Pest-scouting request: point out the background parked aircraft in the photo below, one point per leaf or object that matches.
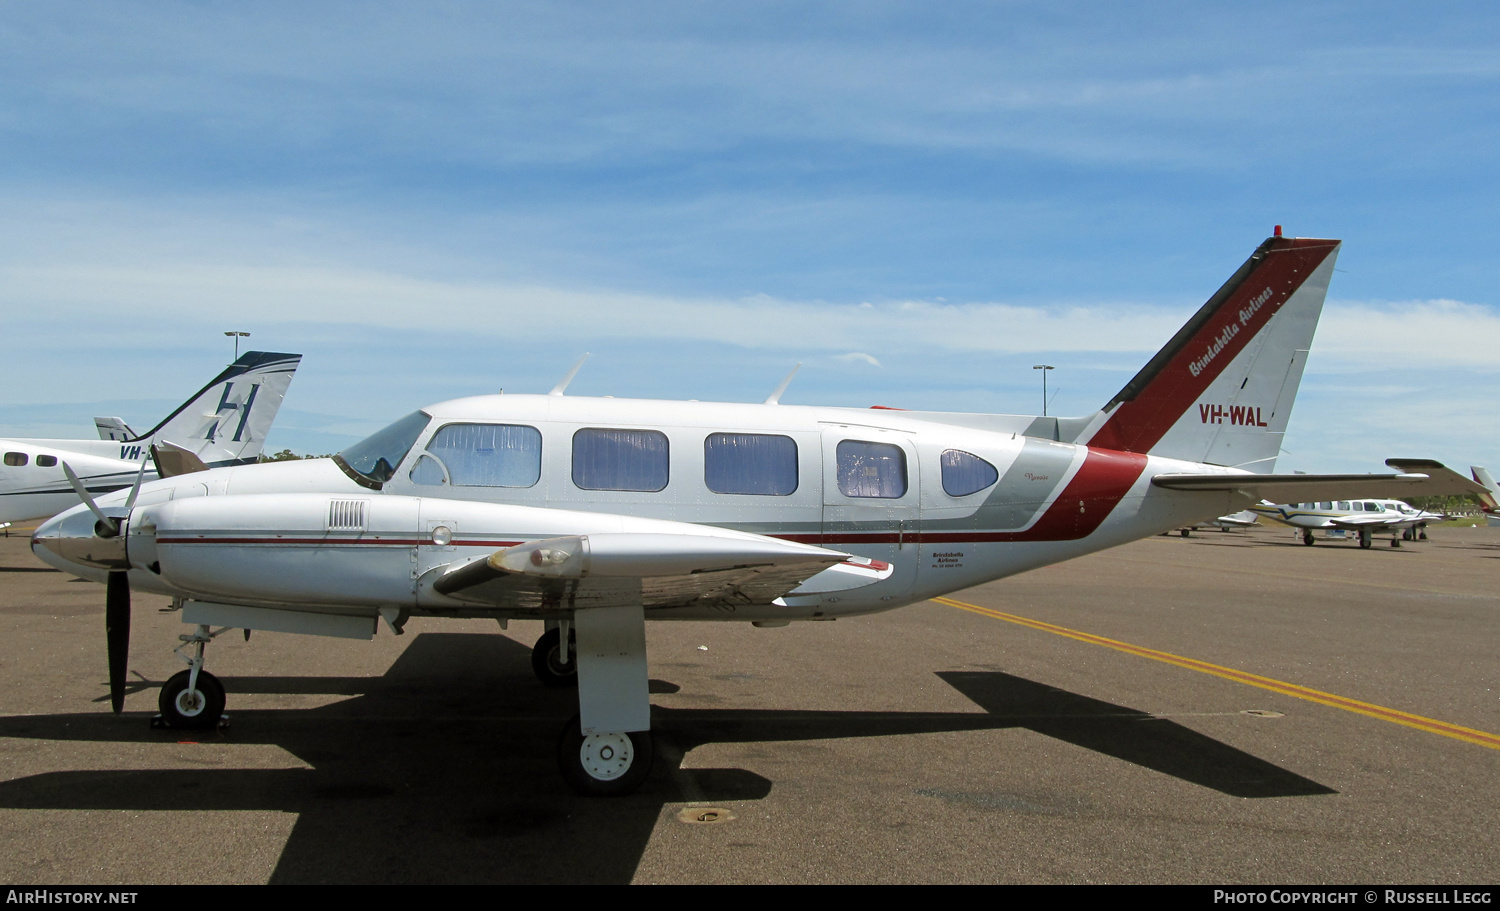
(224, 423)
(1364, 517)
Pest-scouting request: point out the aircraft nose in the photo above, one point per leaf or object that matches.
(76, 538)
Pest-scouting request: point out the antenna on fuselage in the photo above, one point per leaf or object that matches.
(775, 397)
(562, 386)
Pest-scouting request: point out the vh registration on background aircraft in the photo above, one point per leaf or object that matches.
(595, 515)
(224, 423)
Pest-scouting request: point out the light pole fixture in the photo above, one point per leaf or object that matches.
(237, 337)
(1044, 368)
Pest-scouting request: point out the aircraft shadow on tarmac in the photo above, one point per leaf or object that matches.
(443, 770)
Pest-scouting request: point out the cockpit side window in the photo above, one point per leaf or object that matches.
(965, 473)
(481, 455)
(372, 461)
(868, 469)
(15, 459)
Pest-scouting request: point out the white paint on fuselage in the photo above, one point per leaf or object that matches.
(922, 570)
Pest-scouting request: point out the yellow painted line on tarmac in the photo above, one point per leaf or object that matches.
(1429, 725)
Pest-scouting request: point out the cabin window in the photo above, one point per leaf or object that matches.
(481, 455)
(758, 464)
(1343, 505)
(46, 461)
(373, 460)
(1328, 505)
(619, 459)
(15, 459)
(871, 470)
(965, 473)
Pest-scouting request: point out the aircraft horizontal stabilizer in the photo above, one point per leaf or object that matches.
(1418, 478)
(658, 570)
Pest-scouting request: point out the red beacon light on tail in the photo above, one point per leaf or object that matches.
(1277, 231)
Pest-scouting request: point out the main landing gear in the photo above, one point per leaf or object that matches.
(192, 699)
(1307, 537)
(1364, 537)
(606, 749)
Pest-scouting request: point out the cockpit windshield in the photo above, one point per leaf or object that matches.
(373, 460)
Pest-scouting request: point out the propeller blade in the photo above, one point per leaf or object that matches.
(83, 494)
(117, 635)
(139, 477)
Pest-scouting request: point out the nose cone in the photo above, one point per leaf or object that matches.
(76, 539)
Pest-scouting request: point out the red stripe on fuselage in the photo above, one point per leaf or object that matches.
(1140, 423)
(1098, 487)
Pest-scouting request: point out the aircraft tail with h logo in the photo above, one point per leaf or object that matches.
(225, 422)
(1222, 389)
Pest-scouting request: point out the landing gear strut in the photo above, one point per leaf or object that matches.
(606, 749)
(1364, 537)
(549, 663)
(193, 699)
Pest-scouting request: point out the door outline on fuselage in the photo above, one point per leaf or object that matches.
(886, 529)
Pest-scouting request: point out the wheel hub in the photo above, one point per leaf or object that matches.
(190, 702)
(606, 756)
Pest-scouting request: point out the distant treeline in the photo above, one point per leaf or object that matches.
(287, 455)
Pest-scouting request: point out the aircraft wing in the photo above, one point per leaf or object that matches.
(1355, 523)
(1418, 477)
(657, 570)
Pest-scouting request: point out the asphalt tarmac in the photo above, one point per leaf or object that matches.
(1231, 708)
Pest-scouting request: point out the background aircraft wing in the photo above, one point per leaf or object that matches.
(1418, 477)
(657, 570)
(1354, 523)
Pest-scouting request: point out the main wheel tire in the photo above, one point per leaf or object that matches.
(1186, 532)
(1307, 538)
(546, 660)
(1364, 538)
(604, 765)
(192, 709)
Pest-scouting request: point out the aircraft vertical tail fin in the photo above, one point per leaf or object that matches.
(226, 422)
(1221, 391)
(1487, 501)
(114, 429)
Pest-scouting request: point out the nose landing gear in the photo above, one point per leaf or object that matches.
(192, 699)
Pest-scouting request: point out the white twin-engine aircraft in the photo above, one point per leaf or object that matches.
(1364, 517)
(597, 514)
(224, 423)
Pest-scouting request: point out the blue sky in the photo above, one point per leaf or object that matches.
(916, 201)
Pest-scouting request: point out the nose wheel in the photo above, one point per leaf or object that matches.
(192, 699)
(192, 707)
(549, 663)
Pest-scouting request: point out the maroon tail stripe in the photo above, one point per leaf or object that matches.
(1140, 422)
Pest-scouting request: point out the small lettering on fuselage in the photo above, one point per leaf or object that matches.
(1030, 476)
(1243, 415)
(952, 559)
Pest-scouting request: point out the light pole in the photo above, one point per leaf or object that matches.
(1044, 368)
(237, 337)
